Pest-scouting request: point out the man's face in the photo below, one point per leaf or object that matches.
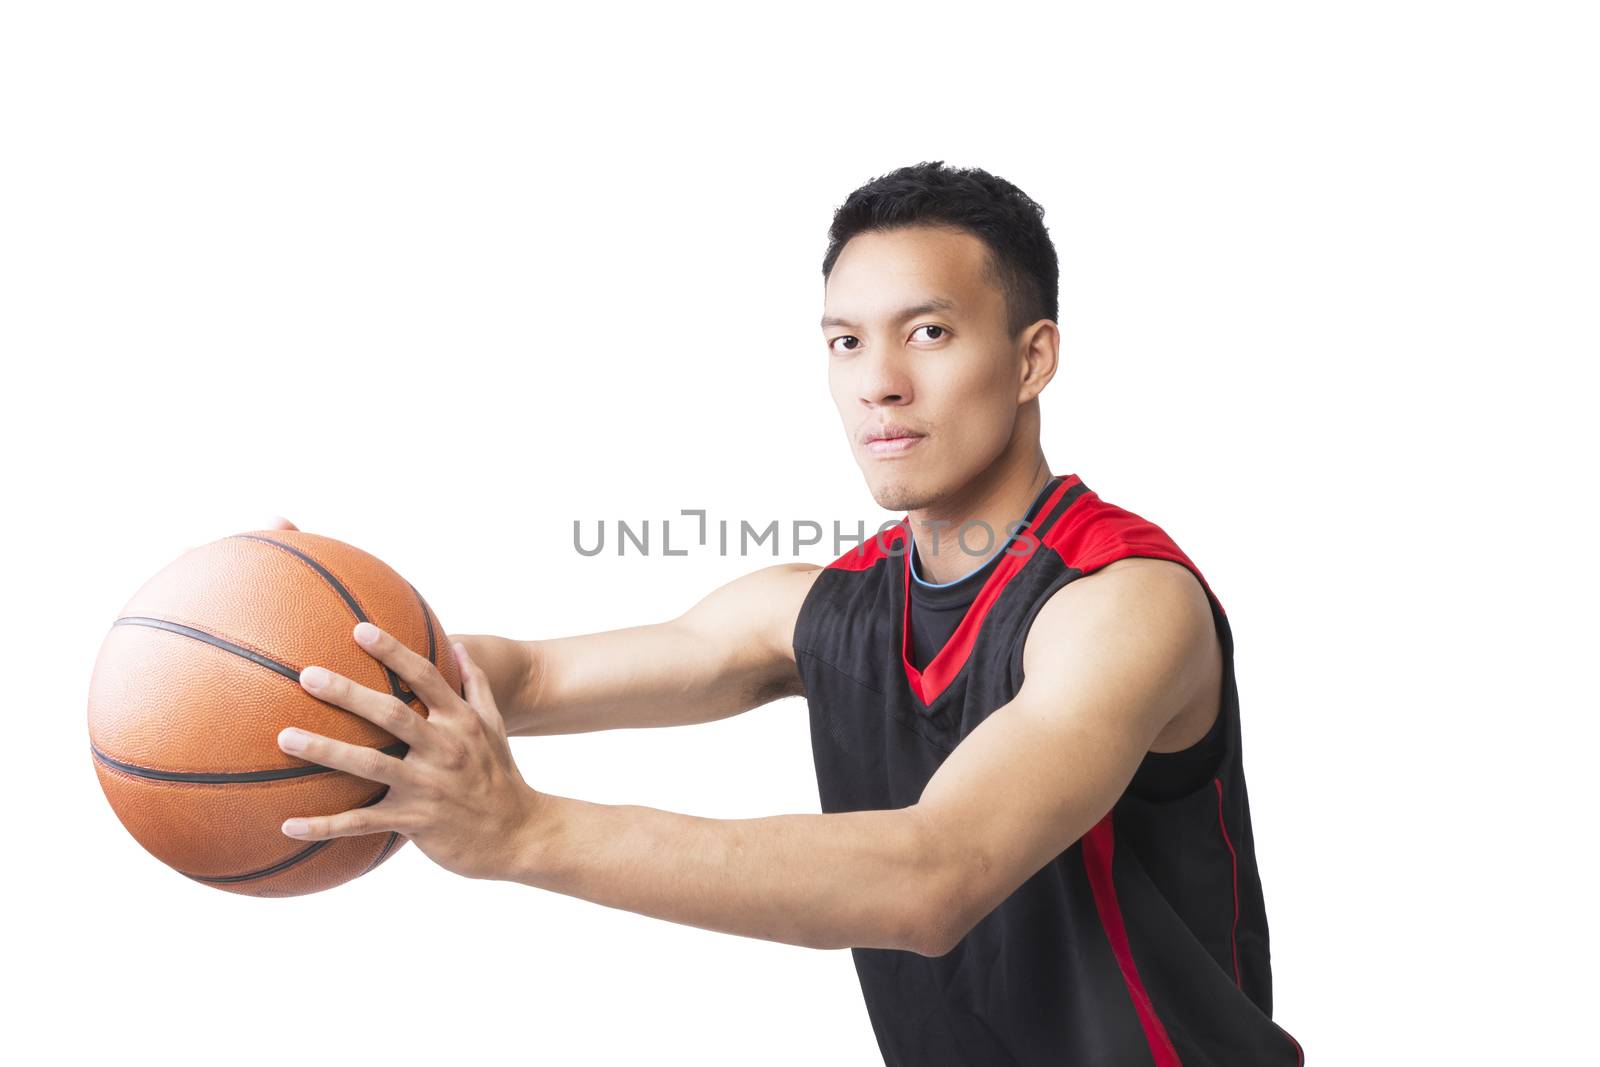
(918, 347)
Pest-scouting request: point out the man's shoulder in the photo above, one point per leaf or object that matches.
(1154, 609)
(1129, 590)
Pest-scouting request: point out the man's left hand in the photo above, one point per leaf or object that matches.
(457, 792)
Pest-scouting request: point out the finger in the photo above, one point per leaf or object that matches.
(475, 683)
(359, 760)
(370, 818)
(380, 709)
(418, 673)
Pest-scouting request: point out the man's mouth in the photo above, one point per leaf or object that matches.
(891, 441)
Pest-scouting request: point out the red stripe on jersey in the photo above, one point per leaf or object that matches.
(879, 546)
(947, 663)
(1233, 932)
(1097, 850)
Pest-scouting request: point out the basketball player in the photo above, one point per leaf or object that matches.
(1035, 834)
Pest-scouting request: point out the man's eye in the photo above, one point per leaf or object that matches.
(930, 326)
(846, 337)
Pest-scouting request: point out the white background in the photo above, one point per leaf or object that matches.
(439, 279)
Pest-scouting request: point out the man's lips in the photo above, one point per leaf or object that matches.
(892, 446)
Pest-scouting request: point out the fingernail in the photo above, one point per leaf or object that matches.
(295, 827)
(292, 740)
(314, 677)
(366, 633)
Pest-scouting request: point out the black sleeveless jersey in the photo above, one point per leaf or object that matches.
(936, 610)
(1145, 942)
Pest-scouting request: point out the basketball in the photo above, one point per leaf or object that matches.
(199, 673)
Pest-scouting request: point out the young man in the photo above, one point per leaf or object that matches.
(1035, 836)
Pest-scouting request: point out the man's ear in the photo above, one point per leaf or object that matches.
(1041, 349)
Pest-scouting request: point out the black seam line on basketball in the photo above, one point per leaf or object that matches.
(397, 750)
(427, 621)
(283, 864)
(395, 689)
(211, 639)
(394, 835)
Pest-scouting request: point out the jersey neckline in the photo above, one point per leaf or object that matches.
(931, 682)
(962, 590)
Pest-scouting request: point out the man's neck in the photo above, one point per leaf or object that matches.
(998, 498)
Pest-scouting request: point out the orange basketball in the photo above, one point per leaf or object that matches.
(200, 672)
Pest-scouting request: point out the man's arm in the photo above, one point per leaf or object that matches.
(1109, 661)
(729, 653)
(817, 881)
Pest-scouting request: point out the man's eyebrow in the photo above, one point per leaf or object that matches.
(938, 303)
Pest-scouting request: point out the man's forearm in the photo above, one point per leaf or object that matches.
(729, 653)
(820, 881)
(640, 676)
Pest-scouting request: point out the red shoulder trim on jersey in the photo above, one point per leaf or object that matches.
(1093, 534)
(879, 546)
(948, 661)
(1098, 846)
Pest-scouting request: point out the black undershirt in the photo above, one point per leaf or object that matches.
(936, 611)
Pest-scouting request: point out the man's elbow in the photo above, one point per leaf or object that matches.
(946, 919)
(952, 900)
(939, 938)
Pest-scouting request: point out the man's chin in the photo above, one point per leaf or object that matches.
(899, 494)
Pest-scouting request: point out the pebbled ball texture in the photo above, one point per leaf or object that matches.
(200, 672)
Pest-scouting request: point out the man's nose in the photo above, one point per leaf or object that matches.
(884, 382)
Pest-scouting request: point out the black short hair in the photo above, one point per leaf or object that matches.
(1022, 259)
